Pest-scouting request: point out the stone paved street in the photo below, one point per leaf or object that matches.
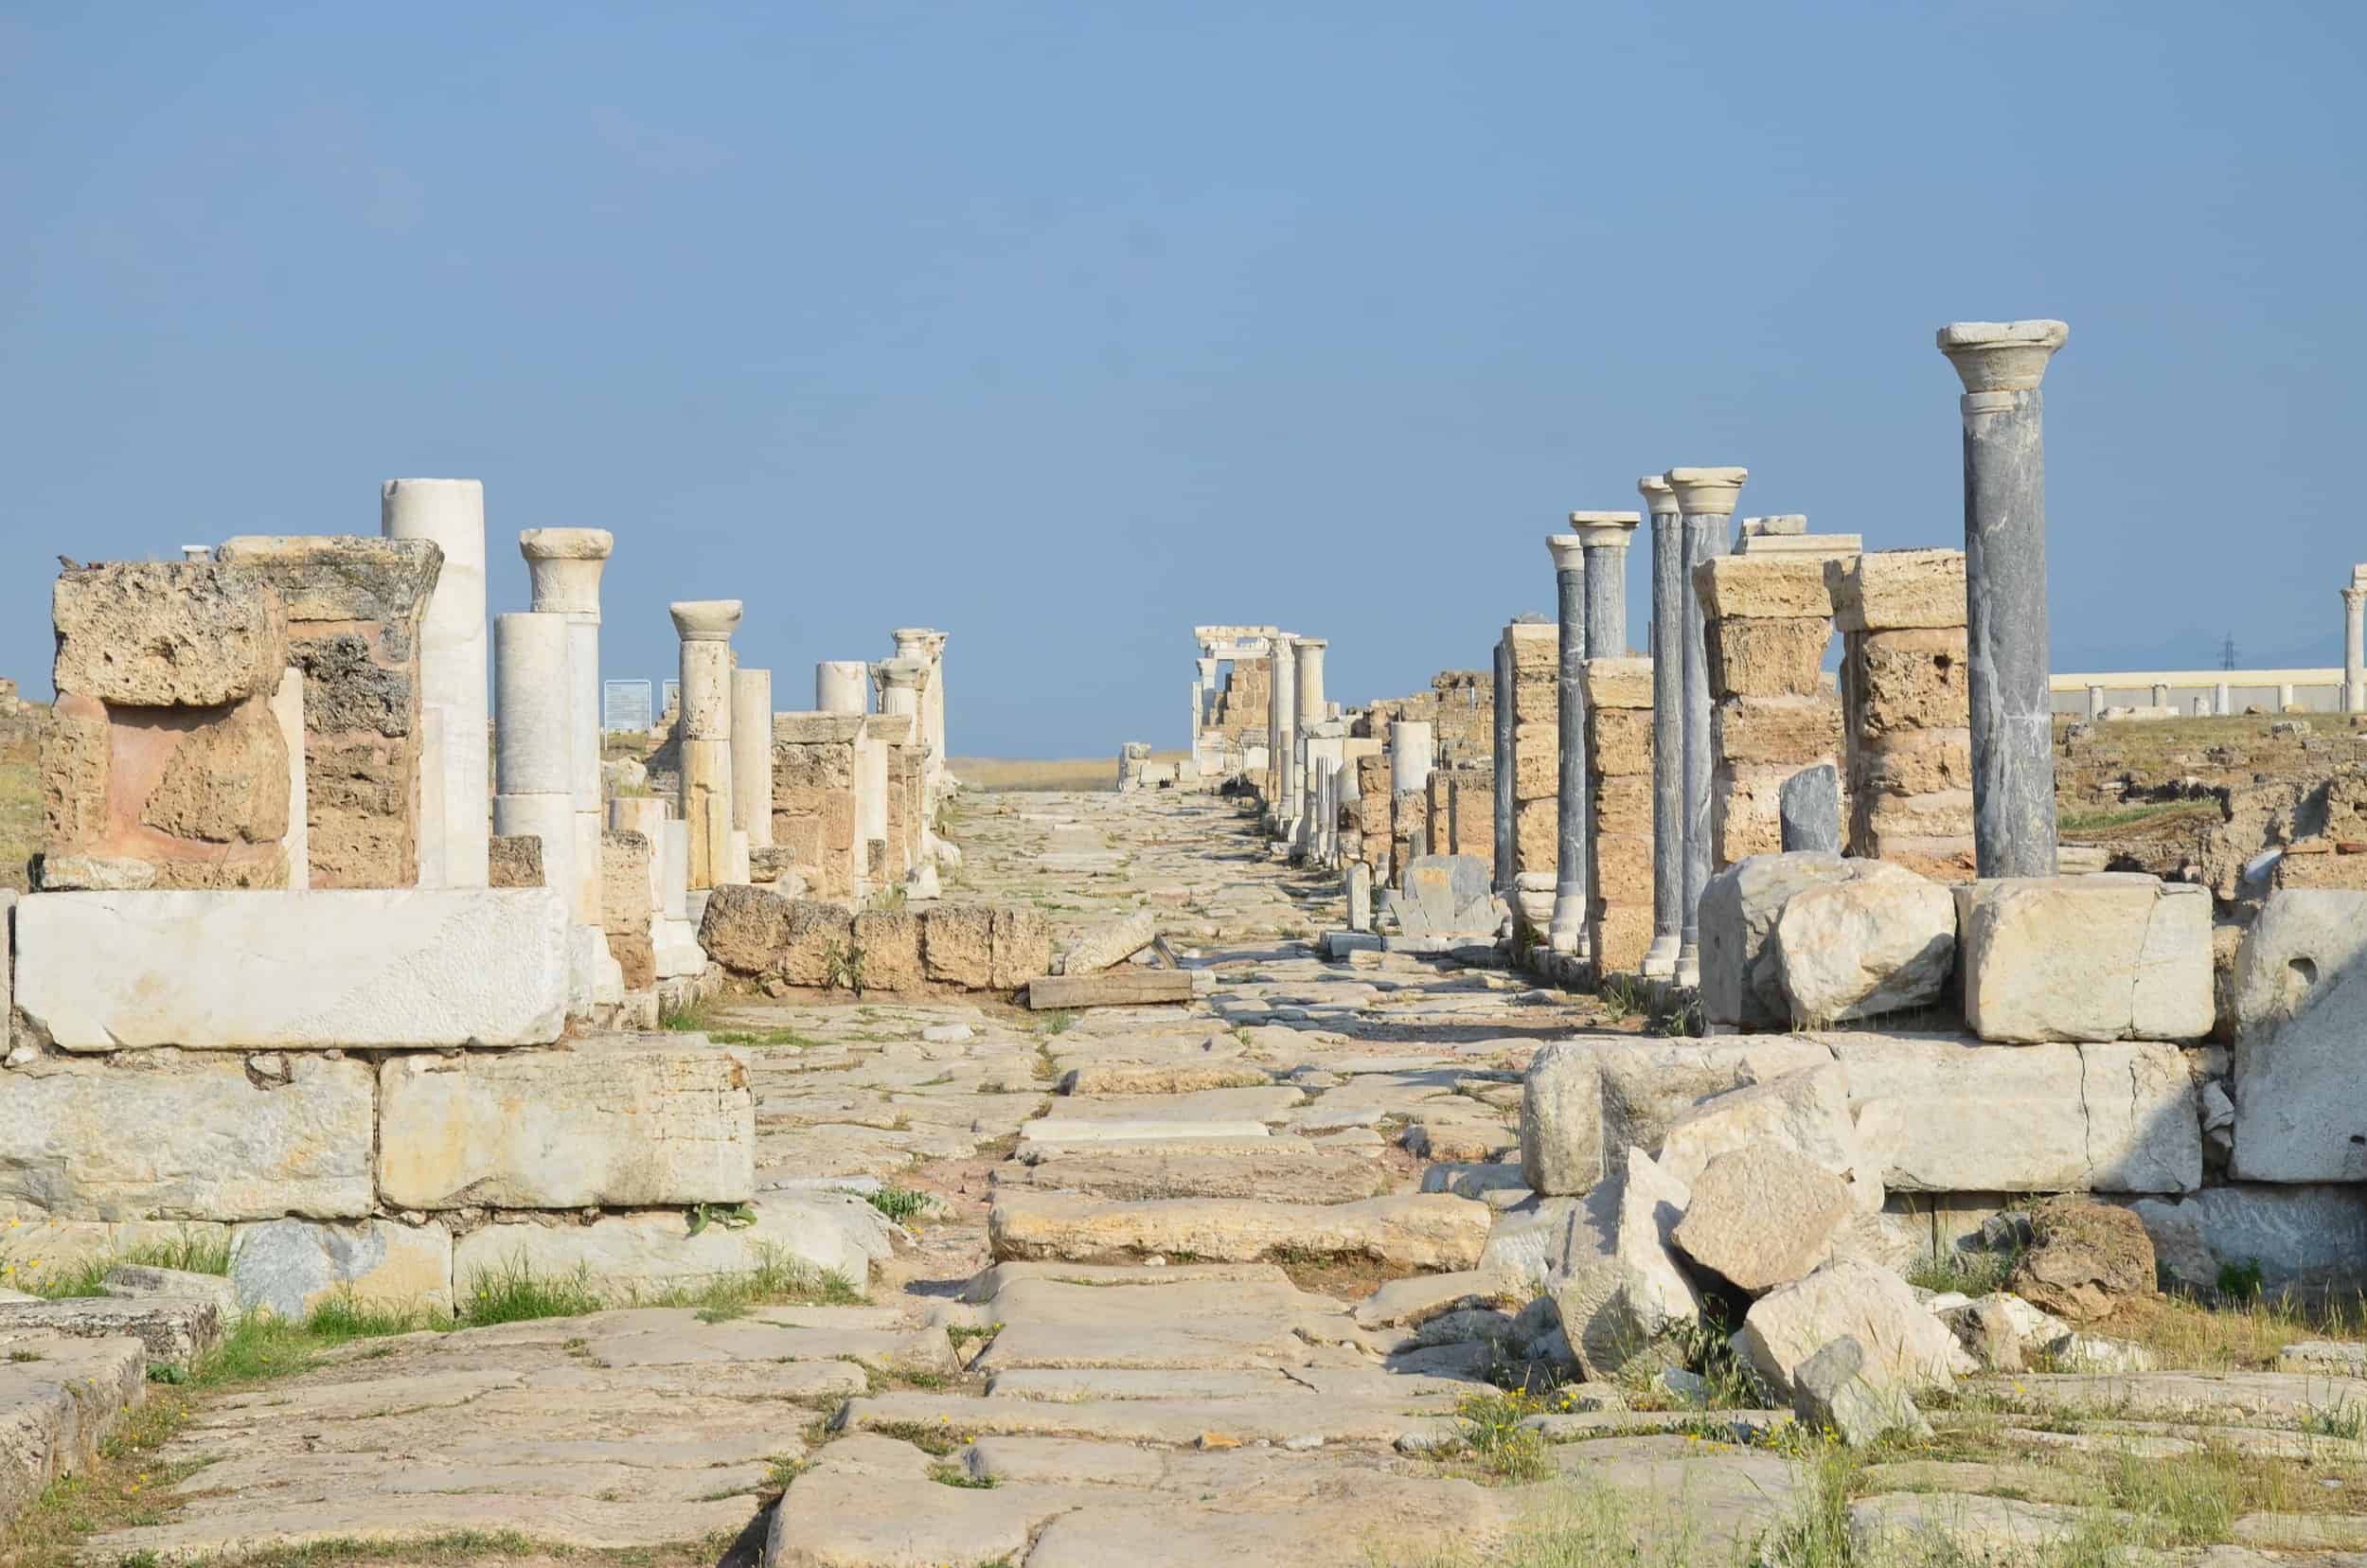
(1188, 1284)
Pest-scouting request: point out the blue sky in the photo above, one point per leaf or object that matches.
(1063, 327)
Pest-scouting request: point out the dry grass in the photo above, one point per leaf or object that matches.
(2232, 1336)
(20, 807)
(1018, 773)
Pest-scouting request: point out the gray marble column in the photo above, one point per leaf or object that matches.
(1668, 831)
(1285, 732)
(1567, 931)
(1505, 828)
(1604, 535)
(1706, 499)
(2005, 611)
(2354, 649)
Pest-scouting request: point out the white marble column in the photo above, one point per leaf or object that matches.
(2095, 702)
(563, 565)
(2355, 648)
(1413, 752)
(1282, 732)
(752, 756)
(920, 645)
(533, 761)
(452, 672)
(2220, 701)
(1668, 684)
(1308, 710)
(842, 685)
(703, 734)
(1706, 499)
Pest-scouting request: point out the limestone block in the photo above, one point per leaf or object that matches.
(1762, 588)
(1916, 762)
(1110, 941)
(2300, 973)
(288, 1267)
(2108, 957)
(1766, 658)
(1620, 1288)
(1807, 1111)
(1842, 1390)
(889, 940)
(75, 763)
(514, 860)
(167, 634)
(1881, 940)
(745, 928)
(160, 1135)
(1622, 683)
(1535, 762)
(350, 967)
(2306, 1238)
(60, 1245)
(1763, 1216)
(173, 1332)
(1792, 731)
(958, 945)
(225, 782)
(1740, 982)
(1430, 1231)
(613, 1122)
(1747, 810)
(817, 943)
(625, 902)
(1620, 741)
(339, 576)
(61, 1409)
(1947, 1113)
(636, 960)
(1888, 590)
(1908, 1345)
(1536, 823)
(1586, 1102)
(135, 1281)
(1910, 680)
(1561, 1112)
(834, 1233)
(1023, 946)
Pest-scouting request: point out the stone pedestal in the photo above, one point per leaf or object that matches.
(1905, 720)
(703, 734)
(453, 660)
(752, 756)
(563, 566)
(1659, 961)
(1767, 622)
(1568, 928)
(1705, 498)
(2013, 729)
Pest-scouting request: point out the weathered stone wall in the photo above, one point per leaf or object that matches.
(1242, 703)
(1372, 816)
(1908, 729)
(354, 607)
(1619, 777)
(166, 765)
(1460, 708)
(815, 773)
(1535, 649)
(1472, 810)
(1767, 622)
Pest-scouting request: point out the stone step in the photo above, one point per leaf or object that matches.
(1425, 1231)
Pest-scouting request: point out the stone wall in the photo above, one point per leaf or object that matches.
(1535, 657)
(1460, 708)
(174, 757)
(1767, 622)
(354, 606)
(1909, 737)
(1472, 810)
(1239, 711)
(814, 773)
(1373, 823)
(1619, 778)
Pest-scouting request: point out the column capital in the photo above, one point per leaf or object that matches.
(2354, 598)
(2002, 356)
(1707, 491)
(1660, 497)
(704, 620)
(900, 673)
(1317, 644)
(563, 566)
(1569, 552)
(1605, 529)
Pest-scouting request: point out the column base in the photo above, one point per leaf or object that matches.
(1566, 932)
(1659, 959)
(1689, 966)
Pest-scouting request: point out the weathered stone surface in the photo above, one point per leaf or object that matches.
(1807, 1111)
(1881, 940)
(1810, 804)
(614, 1122)
(2106, 956)
(57, 1408)
(2301, 1237)
(133, 1281)
(1944, 1114)
(288, 1267)
(626, 905)
(1764, 1216)
(1903, 1344)
(514, 860)
(172, 1331)
(225, 782)
(167, 634)
(2088, 1257)
(1424, 1231)
(745, 928)
(1111, 942)
(1561, 1119)
(1023, 946)
(2300, 976)
(1887, 589)
(101, 971)
(817, 944)
(1619, 1289)
(159, 1135)
(1763, 588)
(889, 940)
(2003, 1333)
(1766, 658)
(958, 945)
(842, 1234)
(1304, 1172)
(1843, 1390)
(1739, 907)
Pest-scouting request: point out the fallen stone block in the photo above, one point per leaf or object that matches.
(1111, 942)
(2106, 956)
(1905, 1344)
(611, 1122)
(1879, 940)
(1807, 1111)
(1620, 1290)
(1764, 1216)
(2004, 1332)
(745, 928)
(58, 1403)
(1847, 1393)
(288, 1267)
(1585, 1102)
(1740, 985)
(2300, 976)
(353, 968)
(174, 1330)
(2089, 1257)
(1946, 1113)
(1424, 1231)
(164, 1135)
(133, 1281)
(1128, 987)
